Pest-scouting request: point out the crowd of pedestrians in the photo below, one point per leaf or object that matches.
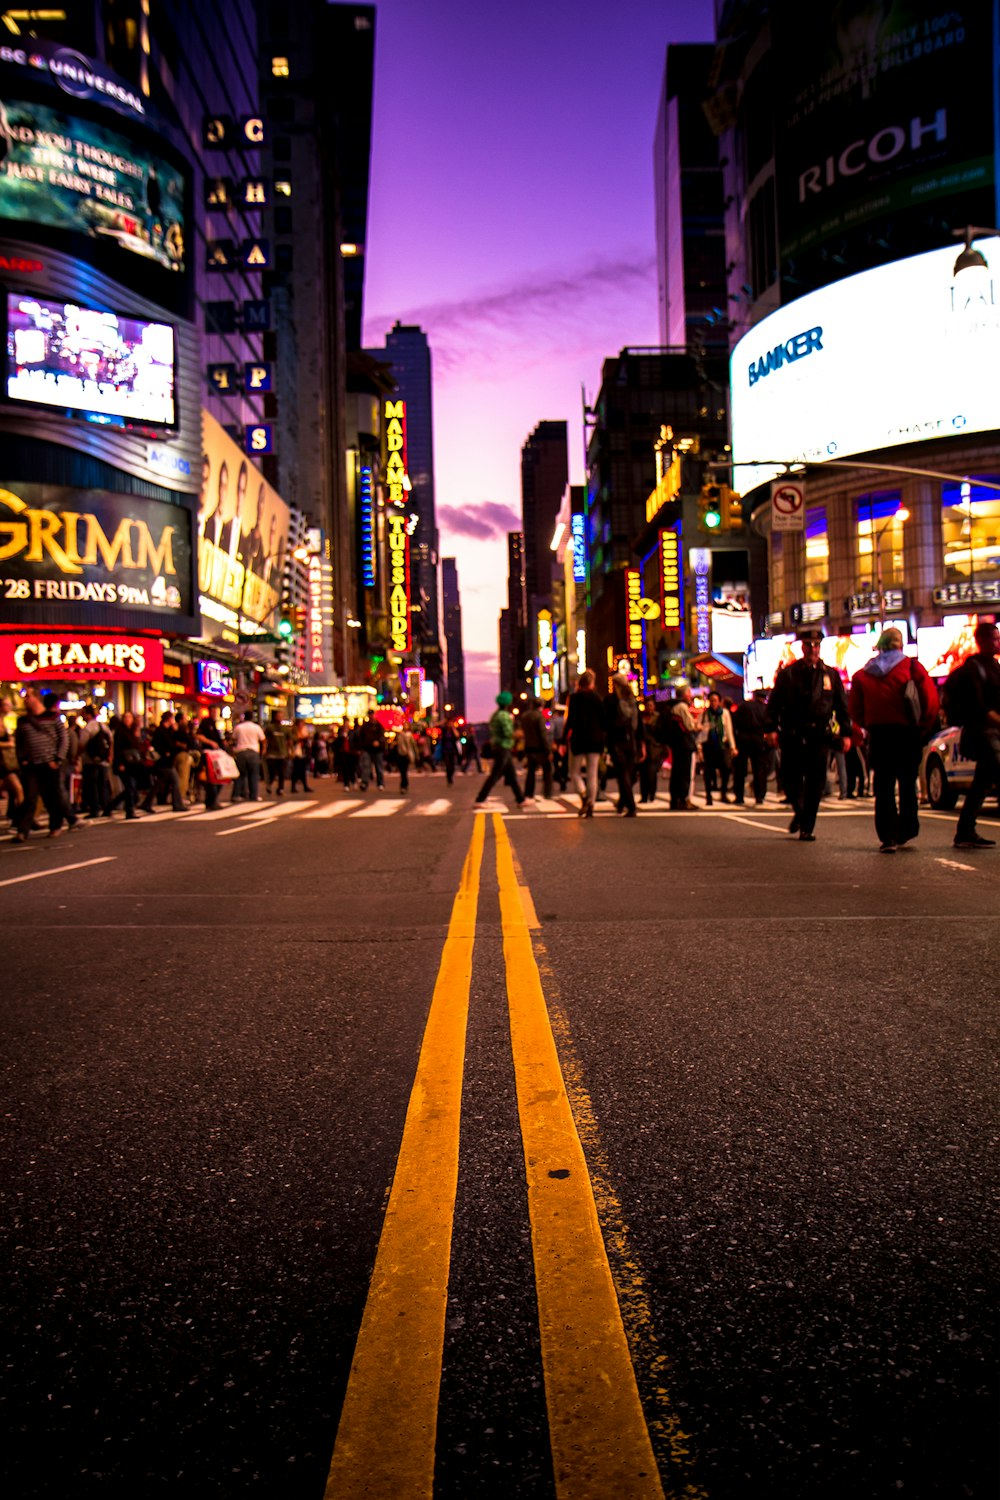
(812, 736)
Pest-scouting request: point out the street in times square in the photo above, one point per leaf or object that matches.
(538, 1039)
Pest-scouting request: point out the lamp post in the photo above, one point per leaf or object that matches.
(900, 514)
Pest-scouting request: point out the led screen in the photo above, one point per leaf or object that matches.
(904, 353)
(97, 363)
(69, 173)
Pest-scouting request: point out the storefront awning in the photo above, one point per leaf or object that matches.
(721, 669)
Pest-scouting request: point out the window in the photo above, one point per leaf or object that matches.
(879, 525)
(817, 558)
(282, 148)
(970, 531)
(282, 221)
(283, 187)
(279, 67)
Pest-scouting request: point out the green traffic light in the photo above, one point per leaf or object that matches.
(284, 627)
(713, 519)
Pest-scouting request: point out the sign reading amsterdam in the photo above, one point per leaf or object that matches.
(71, 174)
(38, 657)
(112, 559)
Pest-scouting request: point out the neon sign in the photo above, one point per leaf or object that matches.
(367, 528)
(579, 549)
(314, 638)
(701, 562)
(670, 580)
(633, 593)
(398, 527)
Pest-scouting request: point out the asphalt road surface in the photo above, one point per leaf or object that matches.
(377, 1146)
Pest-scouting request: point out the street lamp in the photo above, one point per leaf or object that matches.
(970, 259)
(899, 515)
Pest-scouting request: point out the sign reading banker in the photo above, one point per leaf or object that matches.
(904, 353)
(93, 557)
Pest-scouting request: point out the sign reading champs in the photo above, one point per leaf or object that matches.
(397, 525)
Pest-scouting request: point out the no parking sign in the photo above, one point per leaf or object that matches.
(788, 506)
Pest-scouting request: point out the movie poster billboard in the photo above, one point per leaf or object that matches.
(92, 557)
(884, 107)
(72, 174)
(242, 534)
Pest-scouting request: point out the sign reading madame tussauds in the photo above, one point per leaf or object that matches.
(70, 554)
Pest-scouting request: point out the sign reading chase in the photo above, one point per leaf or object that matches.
(117, 558)
(899, 354)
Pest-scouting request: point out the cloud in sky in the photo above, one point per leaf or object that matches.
(485, 522)
(553, 309)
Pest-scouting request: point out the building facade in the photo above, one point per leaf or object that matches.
(452, 615)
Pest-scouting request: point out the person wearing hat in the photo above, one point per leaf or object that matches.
(879, 703)
(501, 729)
(807, 715)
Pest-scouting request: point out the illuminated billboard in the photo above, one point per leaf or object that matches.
(904, 353)
(84, 361)
(242, 535)
(68, 173)
(93, 557)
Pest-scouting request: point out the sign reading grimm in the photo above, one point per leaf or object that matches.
(90, 556)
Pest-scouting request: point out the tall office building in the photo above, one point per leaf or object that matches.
(690, 237)
(408, 353)
(452, 616)
(514, 619)
(544, 476)
(316, 76)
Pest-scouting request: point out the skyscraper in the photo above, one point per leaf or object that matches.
(408, 353)
(452, 615)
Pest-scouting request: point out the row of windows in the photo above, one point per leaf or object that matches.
(970, 536)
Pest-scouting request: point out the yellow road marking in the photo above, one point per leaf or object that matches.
(388, 1424)
(600, 1443)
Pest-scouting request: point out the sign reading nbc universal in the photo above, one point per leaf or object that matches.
(904, 353)
(93, 557)
(47, 656)
(398, 527)
(242, 535)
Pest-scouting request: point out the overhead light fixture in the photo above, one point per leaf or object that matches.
(557, 536)
(971, 259)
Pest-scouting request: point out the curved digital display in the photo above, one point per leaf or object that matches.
(904, 353)
(97, 364)
(69, 173)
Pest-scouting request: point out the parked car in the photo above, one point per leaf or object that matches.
(944, 771)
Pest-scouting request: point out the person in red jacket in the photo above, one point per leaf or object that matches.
(879, 702)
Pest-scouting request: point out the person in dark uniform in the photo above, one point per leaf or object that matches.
(807, 715)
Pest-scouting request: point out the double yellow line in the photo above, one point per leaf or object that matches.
(386, 1438)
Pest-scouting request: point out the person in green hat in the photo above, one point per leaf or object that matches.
(501, 728)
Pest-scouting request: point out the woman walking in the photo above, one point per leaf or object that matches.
(626, 743)
(585, 740)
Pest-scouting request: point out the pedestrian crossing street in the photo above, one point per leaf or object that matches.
(245, 817)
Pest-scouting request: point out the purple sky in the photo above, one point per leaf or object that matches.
(512, 218)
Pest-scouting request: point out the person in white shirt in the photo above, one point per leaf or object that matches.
(248, 745)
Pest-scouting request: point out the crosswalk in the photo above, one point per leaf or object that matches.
(244, 817)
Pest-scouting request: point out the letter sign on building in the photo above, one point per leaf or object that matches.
(670, 580)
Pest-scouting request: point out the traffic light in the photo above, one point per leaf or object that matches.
(299, 619)
(710, 508)
(732, 509)
(285, 625)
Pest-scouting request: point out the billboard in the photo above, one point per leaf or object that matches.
(34, 656)
(68, 556)
(884, 113)
(242, 535)
(903, 353)
(72, 174)
(88, 362)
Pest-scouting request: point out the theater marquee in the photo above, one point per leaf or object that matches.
(92, 557)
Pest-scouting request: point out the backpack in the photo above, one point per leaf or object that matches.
(98, 747)
(960, 697)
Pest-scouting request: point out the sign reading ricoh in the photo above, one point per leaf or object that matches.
(93, 557)
(904, 353)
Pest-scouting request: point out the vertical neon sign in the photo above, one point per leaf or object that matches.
(367, 527)
(397, 529)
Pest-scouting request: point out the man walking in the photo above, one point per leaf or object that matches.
(879, 703)
(807, 716)
(977, 683)
(276, 751)
(501, 728)
(676, 728)
(537, 750)
(41, 740)
(248, 744)
(752, 753)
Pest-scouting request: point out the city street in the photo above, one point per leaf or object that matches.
(766, 1069)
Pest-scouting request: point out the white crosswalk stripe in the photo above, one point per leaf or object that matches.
(380, 810)
(332, 809)
(433, 809)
